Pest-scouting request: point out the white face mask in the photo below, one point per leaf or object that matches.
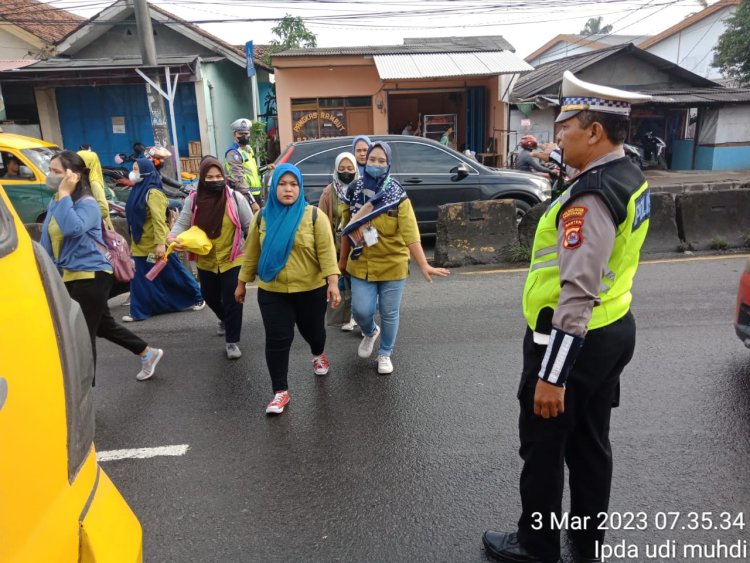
(134, 177)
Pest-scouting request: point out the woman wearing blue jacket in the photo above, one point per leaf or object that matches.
(72, 236)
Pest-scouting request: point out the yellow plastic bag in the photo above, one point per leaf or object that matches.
(194, 240)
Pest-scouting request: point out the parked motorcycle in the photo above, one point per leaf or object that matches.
(652, 153)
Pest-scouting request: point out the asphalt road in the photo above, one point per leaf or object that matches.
(415, 466)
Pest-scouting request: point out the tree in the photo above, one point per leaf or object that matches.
(733, 49)
(291, 33)
(594, 27)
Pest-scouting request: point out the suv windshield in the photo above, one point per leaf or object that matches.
(40, 157)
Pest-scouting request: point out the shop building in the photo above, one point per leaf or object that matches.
(434, 83)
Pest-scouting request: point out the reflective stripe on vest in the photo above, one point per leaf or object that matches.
(542, 288)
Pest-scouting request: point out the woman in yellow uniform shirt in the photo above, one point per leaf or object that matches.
(224, 215)
(384, 232)
(290, 247)
(72, 236)
(174, 289)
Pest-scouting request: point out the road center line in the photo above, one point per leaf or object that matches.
(643, 262)
(142, 453)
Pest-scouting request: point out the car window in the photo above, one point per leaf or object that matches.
(418, 158)
(321, 162)
(40, 157)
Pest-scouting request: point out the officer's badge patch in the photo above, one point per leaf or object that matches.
(642, 209)
(572, 219)
(236, 157)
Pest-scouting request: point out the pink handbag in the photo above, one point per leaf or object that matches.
(117, 252)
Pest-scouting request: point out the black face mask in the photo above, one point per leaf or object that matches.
(346, 177)
(243, 140)
(214, 186)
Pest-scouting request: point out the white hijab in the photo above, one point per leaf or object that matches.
(338, 185)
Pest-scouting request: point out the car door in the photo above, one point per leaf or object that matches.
(425, 171)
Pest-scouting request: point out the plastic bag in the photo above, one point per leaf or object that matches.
(194, 240)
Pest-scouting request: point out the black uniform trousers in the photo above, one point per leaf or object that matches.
(579, 438)
(217, 289)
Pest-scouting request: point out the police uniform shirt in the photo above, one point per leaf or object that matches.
(237, 171)
(583, 257)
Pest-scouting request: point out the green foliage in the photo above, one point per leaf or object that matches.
(291, 33)
(517, 253)
(718, 243)
(594, 27)
(733, 49)
(259, 141)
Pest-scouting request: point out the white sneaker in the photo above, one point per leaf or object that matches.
(199, 306)
(148, 366)
(221, 330)
(127, 319)
(384, 365)
(233, 351)
(350, 326)
(368, 343)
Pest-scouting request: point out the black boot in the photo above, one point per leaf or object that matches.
(505, 547)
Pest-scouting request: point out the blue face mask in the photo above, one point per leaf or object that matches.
(376, 171)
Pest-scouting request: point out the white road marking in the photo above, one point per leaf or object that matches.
(142, 453)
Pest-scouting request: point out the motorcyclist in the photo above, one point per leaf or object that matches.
(526, 162)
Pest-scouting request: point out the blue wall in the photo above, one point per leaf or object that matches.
(86, 117)
(722, 158)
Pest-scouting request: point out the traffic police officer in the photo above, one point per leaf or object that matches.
(580, 332)
(241, 167)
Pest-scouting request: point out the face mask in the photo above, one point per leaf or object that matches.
(134, 177)
(346, 177)
(214, 186)
(243, 140)
(53, 182)
(376, 171)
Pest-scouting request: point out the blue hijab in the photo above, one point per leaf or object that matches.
(282, 222)
(135, 208)
(367, 187)
(357, 139)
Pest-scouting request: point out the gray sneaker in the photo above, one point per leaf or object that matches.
(233, 351)
(222, 330)
(148, 365)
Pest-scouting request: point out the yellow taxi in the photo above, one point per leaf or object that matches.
(24, 165)
(56, 503)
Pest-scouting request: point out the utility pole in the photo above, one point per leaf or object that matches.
(155, 101)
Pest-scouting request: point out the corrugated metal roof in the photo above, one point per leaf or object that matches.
(437, 65)
(546, 78)
(478, 43)
(411, 46)
(128, 62)
(693, 97)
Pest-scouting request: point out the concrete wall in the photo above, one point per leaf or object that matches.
(558, 51)
(227, 93)
(693, 47)
(122, 41)
(629, 72)
(325, 77)
(542, 125)
(14, 47)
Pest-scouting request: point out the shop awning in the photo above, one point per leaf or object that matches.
(439, 65)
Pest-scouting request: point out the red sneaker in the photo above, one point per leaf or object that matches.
(280, 400)
(320, 364)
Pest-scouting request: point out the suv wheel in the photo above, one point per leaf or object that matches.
(522, 208)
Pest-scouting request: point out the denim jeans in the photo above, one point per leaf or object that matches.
(369, 297)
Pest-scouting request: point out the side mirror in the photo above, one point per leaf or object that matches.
(459, 172)
(25, 172)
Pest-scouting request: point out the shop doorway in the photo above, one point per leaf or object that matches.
(431, 113)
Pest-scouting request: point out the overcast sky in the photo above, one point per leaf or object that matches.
(526, 24)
